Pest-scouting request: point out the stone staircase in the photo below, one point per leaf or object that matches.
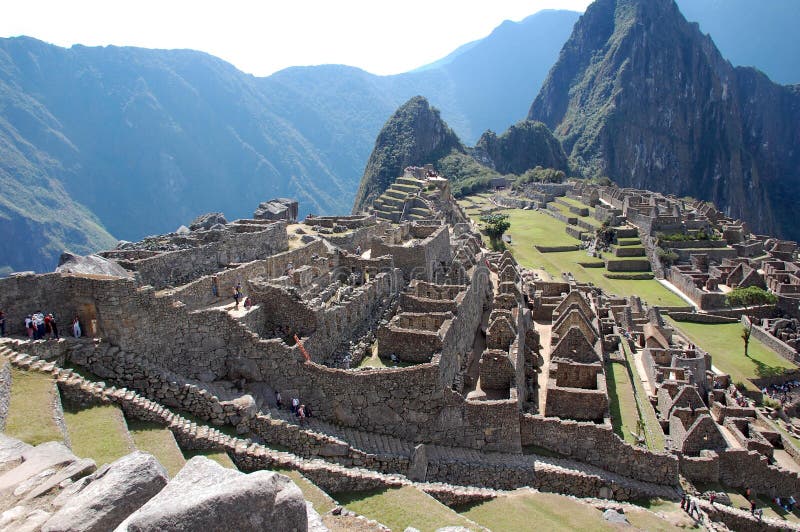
(401, 201)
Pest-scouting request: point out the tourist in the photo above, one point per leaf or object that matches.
(790, 503)
(752, 506)
(53, 328)
(358, 250)
(214, 286)
(683, 502)
(248, 303)
(712, 497)
(236, 296)
(2, 324)
(76, 327)
(29, 326)
(38, 320)
(295, 404)
(301, 413)
(307, 411)
(278, 400)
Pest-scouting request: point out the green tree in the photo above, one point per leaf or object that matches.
(748, 297)
(495, 226)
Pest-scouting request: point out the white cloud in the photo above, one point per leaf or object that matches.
(262, 37)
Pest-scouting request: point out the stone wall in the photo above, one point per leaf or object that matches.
(694, 317)
(704, 300)
(780, 347)
(421, 258)
(599, 446)
(175, 268)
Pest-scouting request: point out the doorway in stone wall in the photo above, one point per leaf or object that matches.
(87, 316)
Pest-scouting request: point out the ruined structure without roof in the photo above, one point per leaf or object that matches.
(423, 356)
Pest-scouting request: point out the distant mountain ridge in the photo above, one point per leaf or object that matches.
(642, 96)
(96, 142)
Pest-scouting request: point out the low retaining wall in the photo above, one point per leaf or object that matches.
(695, 317)
(556, 249)
(599, 446)
(776, 344)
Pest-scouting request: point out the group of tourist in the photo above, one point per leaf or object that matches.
(783, 393)
(40, 325)
(737, 396)
(301, 411)
(689, 504)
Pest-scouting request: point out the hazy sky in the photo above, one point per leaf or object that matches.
(379, 36)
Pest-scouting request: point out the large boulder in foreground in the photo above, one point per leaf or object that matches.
(112, 493)
(206, 496)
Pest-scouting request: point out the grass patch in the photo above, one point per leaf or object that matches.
(624, 414)
(322, 502)
(399, 508)
(219, 457)
(654, 435)
(526, 510)
(724, 343)
(30, 412)
(531, 227)
(98, 432)
(158, 441)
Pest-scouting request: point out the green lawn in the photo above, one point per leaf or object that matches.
(399, 508)
(624, 414)
(98, 432)
(654, 433)
(158, 441)
(530, 227)
(527, 510)
(30, 412)
(322, 502)
(726, 347)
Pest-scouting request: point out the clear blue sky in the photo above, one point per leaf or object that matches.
(263, 37)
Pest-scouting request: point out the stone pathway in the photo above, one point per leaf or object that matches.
(545, 333)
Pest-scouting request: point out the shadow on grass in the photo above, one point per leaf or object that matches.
(354, 496)
(614, 406)
(763, 370)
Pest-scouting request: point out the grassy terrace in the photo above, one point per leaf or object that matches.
(624, 414)
(529, 228)
(98, 432)
(399, 508)
(726, 347)
(30, 412)
(158, 441)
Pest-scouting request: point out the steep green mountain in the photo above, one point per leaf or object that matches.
(523, 146)
(760, 34)
(641, 95)
(414, 135)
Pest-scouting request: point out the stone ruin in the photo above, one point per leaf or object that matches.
(468, 379)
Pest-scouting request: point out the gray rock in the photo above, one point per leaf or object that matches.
(206, 221)
(90, 264)
(613, 516)
(315, 523)
(11, 450)
(113, 493)
(78, 469)
(34, 461)
(206, 496)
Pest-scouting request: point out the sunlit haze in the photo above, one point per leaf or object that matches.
(263, 37)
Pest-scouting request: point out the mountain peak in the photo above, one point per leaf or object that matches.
(641, 95)
(414, 135)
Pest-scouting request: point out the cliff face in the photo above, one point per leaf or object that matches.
(642, 96)
(523, 146)
(414, 135)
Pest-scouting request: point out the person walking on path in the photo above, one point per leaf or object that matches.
(2, 324)
(295, 405)
(76, 327)
(236, 296)
(278, 400)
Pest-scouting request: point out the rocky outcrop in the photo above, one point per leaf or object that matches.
(523, 146)
(204, 222)
(413, 136)
(641, 95)
(90, 264)
(206, 496)
(111, 494)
